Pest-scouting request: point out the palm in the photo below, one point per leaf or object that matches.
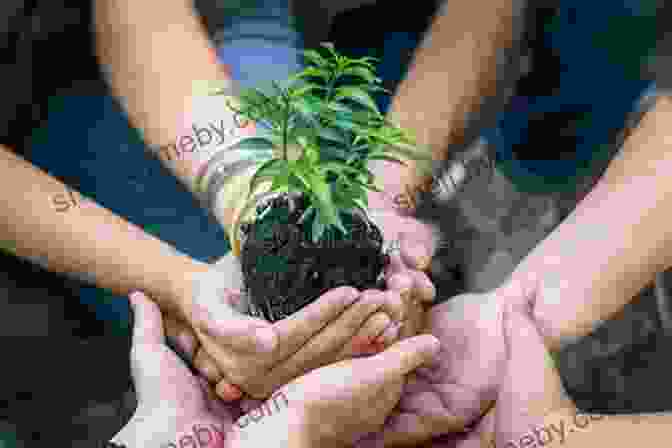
(463, 382)
(164, 381)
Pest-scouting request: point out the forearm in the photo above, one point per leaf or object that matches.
(453, 70)
(58, 229)
(614, 242)
(568, 429)
(159, 59)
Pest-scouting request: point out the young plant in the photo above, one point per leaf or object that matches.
(324, 127)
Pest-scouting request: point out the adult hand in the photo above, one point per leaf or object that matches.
(531, 404)
(462, 384)
(415, 243)
(245, 354)
(339, 404)
(173, 404)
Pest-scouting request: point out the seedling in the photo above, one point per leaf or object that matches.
(323, 127)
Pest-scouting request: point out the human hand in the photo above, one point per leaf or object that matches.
(531, 402)
(339, 404)
(415, 243)
(342, 323)
(172, 403)
(451, 394)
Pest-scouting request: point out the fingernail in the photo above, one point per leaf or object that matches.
(266, 338)
(423, 263)
(228, 392)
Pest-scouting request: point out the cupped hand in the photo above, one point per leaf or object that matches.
(531, 404)
(171, 400)
(241, 353)
(341, 403)
(462, 384)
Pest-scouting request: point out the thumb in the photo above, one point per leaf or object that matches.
(214, 312)
(417, 248)
(406, 355)
(532, 387)
(147, 322)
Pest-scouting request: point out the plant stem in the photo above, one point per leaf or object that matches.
(284, 129)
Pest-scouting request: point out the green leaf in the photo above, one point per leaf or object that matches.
(332, 135)
(311, 72)
(270, 170)
(330, 47)
(325, 204)
(409, 151)
(304, 89)
(389, 158)
(357, 95)
(315, 58)
(318, 228)
(360, 72)
(331, 152)
(337, 167)
(254, 144)
(365, 61)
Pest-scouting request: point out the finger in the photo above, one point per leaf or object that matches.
(325, 347)
(414, 253)
(400, 282)
(181, 337)
(423, 288)
(227, 391)
(396, 265)
(232, 329)
(147, 322)
(364, 342)
(406, 356)
(404, 429)
(298, 328)
(531, 386)
(207, 366)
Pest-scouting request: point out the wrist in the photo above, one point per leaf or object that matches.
(181, 286)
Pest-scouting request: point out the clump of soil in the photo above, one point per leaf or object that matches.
(284, 270)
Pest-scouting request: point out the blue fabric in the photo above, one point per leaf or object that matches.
(88, 140)
(601, 50)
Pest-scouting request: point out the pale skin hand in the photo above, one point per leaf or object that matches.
(533, 409)
(580, 275)
(344, 402)
(340, 324)
(171, 400)
(90, 242)
(136, 41)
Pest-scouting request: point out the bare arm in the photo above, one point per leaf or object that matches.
(614, 242)
(58, 229)
(572, 430)
(159, 59)
(453, 70)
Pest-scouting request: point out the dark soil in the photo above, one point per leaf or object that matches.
(284, 270)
